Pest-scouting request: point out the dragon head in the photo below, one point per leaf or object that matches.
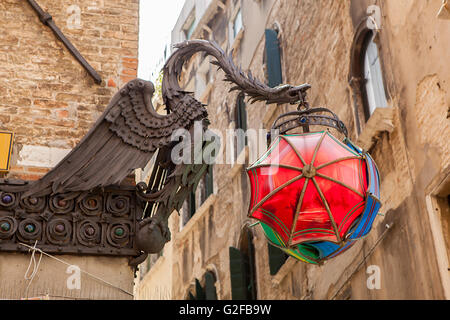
(288, 94)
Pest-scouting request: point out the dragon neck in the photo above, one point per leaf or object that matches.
(247, 84)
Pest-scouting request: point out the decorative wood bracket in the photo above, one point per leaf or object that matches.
(102, 222)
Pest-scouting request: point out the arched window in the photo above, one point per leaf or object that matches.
(207, 291)
(366, 75)
(374, 93)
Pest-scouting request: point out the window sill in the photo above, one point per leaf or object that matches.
(199, 214)
(240, 163)
(381, 120)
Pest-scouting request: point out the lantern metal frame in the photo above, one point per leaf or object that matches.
(305, 116)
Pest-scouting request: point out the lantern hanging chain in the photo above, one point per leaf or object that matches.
(303, 103)
(388, 227)
(34, 249)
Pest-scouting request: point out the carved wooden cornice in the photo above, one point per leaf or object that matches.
(101, 222)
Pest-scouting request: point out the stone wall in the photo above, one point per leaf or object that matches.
(411, 150)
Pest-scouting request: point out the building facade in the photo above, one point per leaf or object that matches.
(383, 68)
(49, 101)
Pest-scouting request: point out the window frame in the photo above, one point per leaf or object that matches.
(235, 35)
(241, 122)
(356, 74)
(189, 25)
(368, 38)
(436, 192)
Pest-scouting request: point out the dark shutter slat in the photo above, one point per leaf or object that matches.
(199, 291)
(276, 259)
(210, 287)
(209, 182)
(191, 204)
(237, 275)
(251, 256)
(241, 120)
(273, 58)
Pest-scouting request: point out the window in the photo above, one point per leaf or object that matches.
(197, 197)
(241, 123)
(242, 268)
(188, 210)
(272, 58)
(208, 183)
(191, 204)
(375, 96)
(189, 25)
(190, 30)
(207, 291)
(443, 203)
(236, 26)
(438, 207)
(367, 83)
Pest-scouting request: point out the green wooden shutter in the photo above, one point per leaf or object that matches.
(199, 291)
(273, 58)
(209, 182)
(241, 121)
(251, 267)
(191, 204)
(237, 275)
(210, 287)
(276, 259)
(241, 113)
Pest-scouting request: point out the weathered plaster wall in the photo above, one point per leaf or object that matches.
(316, 39)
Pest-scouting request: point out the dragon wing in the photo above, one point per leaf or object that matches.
(124, 138)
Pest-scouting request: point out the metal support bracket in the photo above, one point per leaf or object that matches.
(47, 20)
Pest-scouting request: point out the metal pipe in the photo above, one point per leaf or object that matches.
(46, 19)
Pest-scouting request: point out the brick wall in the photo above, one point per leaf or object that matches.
(46, 97)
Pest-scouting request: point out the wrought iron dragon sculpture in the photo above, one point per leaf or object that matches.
(130, 132)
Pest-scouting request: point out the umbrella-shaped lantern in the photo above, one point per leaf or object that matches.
(313, 194)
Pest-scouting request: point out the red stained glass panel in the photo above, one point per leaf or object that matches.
(332, 200)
